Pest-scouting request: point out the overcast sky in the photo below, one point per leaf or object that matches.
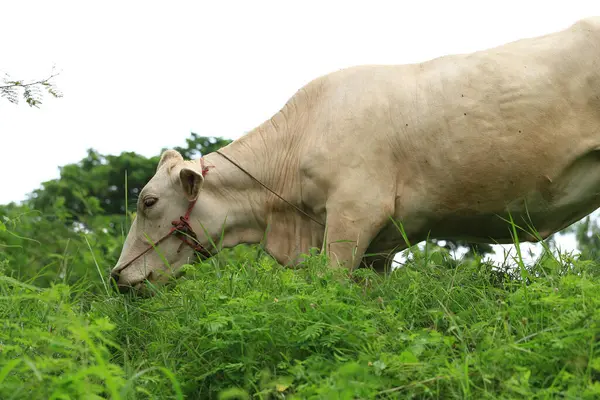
(141, 75)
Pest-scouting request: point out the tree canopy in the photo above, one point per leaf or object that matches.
(104, 184)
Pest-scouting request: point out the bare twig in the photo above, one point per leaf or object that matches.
(15, 84)
(32, 91)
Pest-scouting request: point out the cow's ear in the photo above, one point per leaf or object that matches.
(191, 182)
(168, 155)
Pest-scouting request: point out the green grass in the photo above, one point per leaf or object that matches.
(244, 327)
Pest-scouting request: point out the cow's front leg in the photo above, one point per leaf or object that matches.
(349, 231)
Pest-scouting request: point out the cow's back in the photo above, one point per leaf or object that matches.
(466, 134)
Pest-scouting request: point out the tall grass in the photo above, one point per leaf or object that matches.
(240, 326)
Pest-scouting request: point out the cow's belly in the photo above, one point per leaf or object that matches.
(496, 228)
(551, 206)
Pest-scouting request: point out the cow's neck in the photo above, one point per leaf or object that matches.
(270, 154)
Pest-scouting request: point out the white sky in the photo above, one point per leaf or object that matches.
(141, 75)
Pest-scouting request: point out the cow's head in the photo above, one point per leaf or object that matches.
(164, 199)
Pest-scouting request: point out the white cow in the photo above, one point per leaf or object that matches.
(446, 149)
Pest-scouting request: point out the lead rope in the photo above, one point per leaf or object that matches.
(269, 189)
(181, 229)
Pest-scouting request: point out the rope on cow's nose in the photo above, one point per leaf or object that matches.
(184, 230)
(181, 226)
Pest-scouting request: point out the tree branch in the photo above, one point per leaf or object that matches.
(15, 84)
(32, 92)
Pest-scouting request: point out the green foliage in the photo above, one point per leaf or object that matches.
(44, 249)
(241, 326)
(100, 184)
(96, 185)
(474, 249)
(587, 234)
(197, 146)
(51, 349)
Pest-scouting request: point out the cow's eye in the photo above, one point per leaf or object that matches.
(150, 201)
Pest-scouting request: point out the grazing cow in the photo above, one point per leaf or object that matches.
(450, 148)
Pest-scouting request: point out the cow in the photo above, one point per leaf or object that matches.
(364, 161)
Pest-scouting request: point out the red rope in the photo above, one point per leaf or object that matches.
(182, 230)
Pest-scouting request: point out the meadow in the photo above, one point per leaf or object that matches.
(239, 326)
